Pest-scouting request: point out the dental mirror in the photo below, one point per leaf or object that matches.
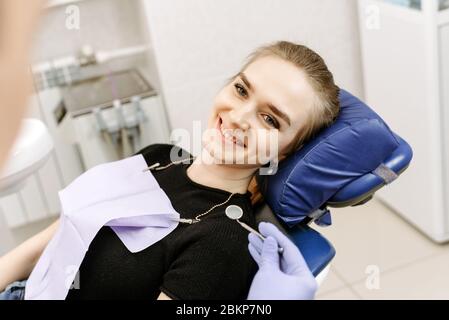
(234, 212)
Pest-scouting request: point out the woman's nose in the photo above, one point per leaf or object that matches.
(240, 116)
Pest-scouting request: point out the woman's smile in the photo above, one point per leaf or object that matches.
(226, 135)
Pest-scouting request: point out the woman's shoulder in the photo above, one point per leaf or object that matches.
(163, 153)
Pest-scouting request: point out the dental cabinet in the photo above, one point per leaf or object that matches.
(113, 124)
(100, 100)
(80, 143)
(405, 57)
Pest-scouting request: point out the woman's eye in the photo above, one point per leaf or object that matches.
(240, 89)
(271, 122)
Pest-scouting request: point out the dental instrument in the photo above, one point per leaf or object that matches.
(126, 147)
(137, 122)
(234, 212)
(104, 129)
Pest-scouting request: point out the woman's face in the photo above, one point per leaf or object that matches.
(256, 116)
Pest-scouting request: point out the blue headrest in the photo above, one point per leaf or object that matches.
(352, 147)
(398, 161)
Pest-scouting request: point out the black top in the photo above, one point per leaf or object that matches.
(206, 260)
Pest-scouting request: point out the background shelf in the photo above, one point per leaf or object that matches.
(56, 3)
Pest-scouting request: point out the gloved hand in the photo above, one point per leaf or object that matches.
(285, 277)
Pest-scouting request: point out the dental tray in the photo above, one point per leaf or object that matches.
(100, 91)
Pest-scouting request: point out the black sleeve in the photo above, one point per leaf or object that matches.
(216, 267)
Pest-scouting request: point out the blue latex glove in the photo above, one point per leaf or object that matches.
(285, 277)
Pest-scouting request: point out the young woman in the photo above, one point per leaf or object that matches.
(285, 90)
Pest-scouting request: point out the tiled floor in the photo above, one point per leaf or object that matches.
(380, 256)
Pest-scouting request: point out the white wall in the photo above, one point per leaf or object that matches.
(199, 43)
(104, 24)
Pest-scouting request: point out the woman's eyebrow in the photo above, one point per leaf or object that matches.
(279, 113)
(273, 108)
(245, 80)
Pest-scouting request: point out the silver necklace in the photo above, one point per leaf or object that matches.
(157, 167)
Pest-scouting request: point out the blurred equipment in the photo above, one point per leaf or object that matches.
(114, 116)
(31, 150)
(65, 70)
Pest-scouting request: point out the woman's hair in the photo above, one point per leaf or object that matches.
(326, 105)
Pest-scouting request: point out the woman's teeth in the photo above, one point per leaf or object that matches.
(228, 136)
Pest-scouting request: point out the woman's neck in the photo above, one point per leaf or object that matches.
(221, 176)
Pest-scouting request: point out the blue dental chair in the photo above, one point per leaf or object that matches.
(343, 165)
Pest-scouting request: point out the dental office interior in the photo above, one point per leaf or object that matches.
(112, 77)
